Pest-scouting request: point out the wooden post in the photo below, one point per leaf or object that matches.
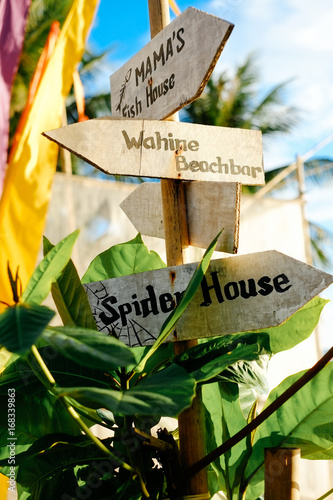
(282, 471)
(191, 425)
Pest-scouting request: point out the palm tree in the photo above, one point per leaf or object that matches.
(232, 101)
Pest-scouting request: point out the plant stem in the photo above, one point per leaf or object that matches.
(326, 495)
(45, 370)
(50, 383)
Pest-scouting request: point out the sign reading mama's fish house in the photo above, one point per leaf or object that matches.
(149, 148)
(163, 77)
(237, 294)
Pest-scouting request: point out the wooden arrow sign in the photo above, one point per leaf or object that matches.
(172, 69)
(169, 150)
(210, 206)
(237, 294)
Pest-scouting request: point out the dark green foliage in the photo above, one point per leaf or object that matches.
(102, 381)
(21, 325)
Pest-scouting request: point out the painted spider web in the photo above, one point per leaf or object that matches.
(133, 334)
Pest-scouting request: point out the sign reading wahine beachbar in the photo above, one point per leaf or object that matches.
(165, 149)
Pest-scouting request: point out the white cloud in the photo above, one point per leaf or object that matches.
(294, 41)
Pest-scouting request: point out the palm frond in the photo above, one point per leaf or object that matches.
(322, 246)
(232, 101)
(318, 173)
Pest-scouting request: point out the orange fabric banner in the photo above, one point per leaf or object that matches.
(35, 81)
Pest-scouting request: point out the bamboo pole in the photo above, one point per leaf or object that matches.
(282, 473)
(306, 232)
(191, 427)
(286, 171)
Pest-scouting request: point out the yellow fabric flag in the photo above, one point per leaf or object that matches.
(27, 187)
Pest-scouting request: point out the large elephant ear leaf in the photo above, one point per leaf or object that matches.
(297, 328)
(69, 295)
(305, 421)
(49, 270)
(122, 260)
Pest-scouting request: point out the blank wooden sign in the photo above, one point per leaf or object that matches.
(172, 69)
(165, 149)
(210, 206)
(237, 294)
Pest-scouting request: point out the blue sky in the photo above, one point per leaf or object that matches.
(293, 40)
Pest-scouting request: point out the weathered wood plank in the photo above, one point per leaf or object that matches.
(172, 69)
(170, 150)
(238, 293)
(210, 207)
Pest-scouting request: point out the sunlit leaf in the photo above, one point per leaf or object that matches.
(49, 270)
(224, 418)
(305, 421)
(69, 295)
(122, 260)
(297, 328)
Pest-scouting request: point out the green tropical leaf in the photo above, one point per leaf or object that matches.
(51, 472)
(215, 367)
(21, 325)
(122, 260)
(167, 392)
(297, 328)
(49, 270)
(224, 418)
(251, 377)
(92, 349)
(188, 295)
(305, 421)
(46, 442)
(129, 490)
(211, 357)
(69, 295)
(159, 359)
(20, 376)
(35, 417)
